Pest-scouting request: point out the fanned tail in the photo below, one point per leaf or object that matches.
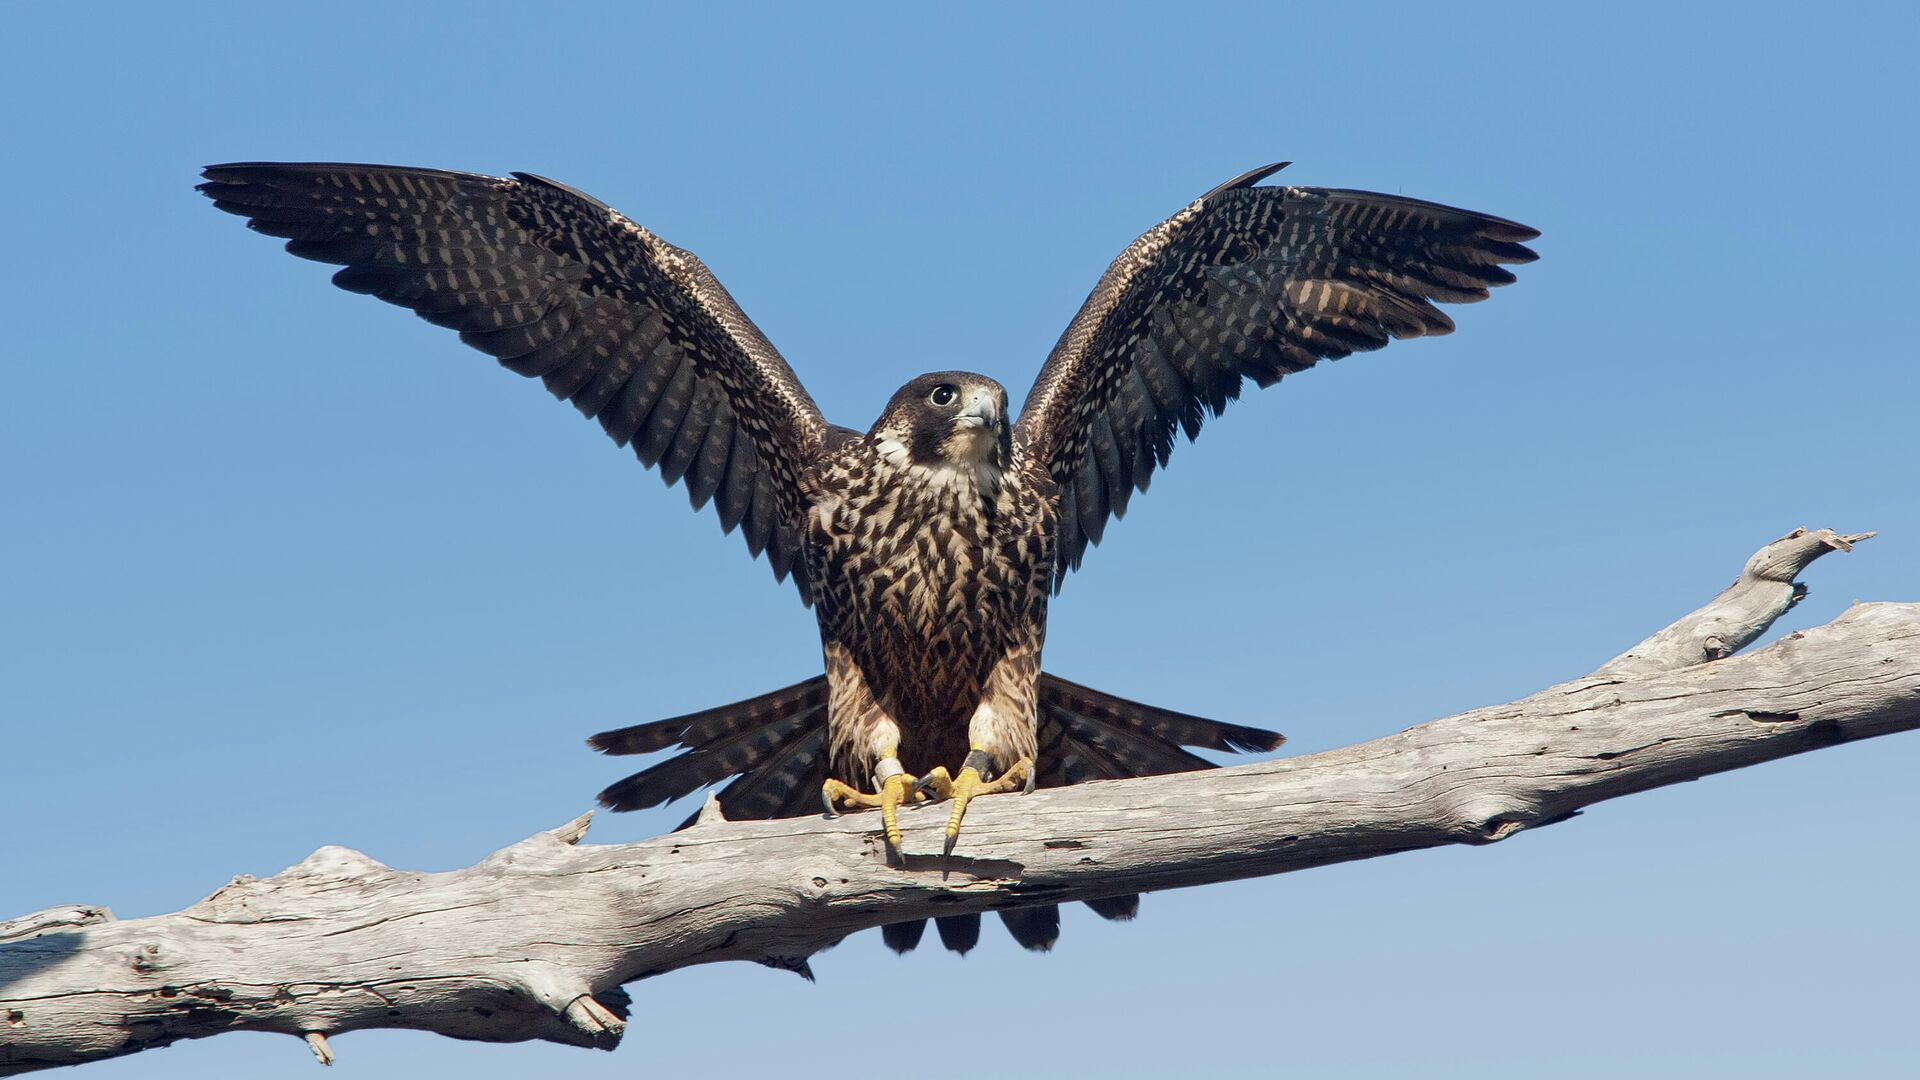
(1082, 707)
(699, 729)
(774, 746)
(774, 743)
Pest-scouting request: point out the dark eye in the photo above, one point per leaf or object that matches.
(944, 395)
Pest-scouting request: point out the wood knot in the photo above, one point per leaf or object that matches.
(1490, 819)
(146, 959)
(1499, 828)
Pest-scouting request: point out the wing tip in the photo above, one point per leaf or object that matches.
(1513, 232)
(1248, 179)
(610, 799)
(211, 174)
(1507, 236)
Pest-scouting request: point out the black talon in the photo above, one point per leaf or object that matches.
(826, 800)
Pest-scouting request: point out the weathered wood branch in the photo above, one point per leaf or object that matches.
(1764, 591)
(535, 941)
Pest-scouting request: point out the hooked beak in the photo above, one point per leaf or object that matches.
(982, 410)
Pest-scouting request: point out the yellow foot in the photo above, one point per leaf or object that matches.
(961, 789)
(895, 789)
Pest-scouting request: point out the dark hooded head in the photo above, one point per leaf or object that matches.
(954, 419)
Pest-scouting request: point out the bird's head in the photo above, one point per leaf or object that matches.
(947, 418)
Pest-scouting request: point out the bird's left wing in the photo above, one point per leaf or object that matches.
(555, 284)
(1244, 283)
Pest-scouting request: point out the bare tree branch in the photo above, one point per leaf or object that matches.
(1764, 591)
(534, 941)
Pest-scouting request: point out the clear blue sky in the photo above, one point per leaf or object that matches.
(285, 566)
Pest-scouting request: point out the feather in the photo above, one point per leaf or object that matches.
(1035, 928)
(699, 730)
(904, 937)
(683, 773)
(1116, 908)
(959, 933)
(1061, 697)
(784, 785)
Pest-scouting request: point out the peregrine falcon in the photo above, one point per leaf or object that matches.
(930, 544)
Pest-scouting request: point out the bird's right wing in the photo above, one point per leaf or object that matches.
(552, 283)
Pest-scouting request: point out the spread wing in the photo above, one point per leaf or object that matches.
(552, 283)
(1244, 283)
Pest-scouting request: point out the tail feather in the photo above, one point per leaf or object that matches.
(774, 746)
(959, 933)
(697, 730)
(784, 785)
(1125, 750)
(737, 739)
(684, 773)
(1070, 760)
(1035, 928)
(903, 937)
(1179, 729)
(1116, 908)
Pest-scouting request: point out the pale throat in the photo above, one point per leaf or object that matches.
(964, 467)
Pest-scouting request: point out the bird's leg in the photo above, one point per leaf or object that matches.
(894, 786)
(971, 782)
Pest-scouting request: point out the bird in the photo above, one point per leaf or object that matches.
(930, 544)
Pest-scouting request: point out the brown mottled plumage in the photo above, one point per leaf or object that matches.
(929, 545)
(933, 557)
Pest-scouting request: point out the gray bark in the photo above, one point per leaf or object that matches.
(535, 940)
